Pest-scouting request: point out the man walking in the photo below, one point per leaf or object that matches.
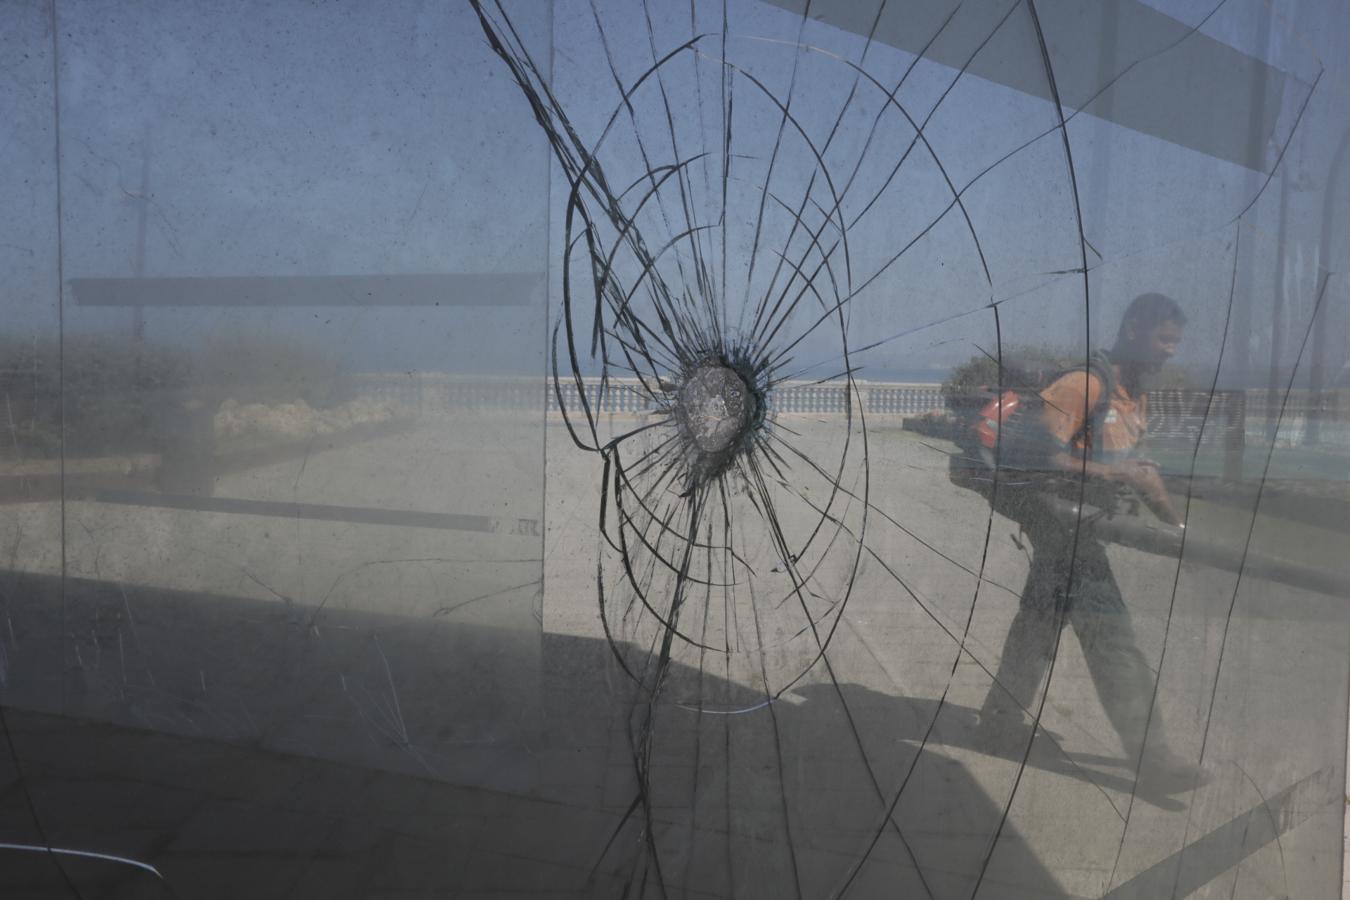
(1092, 437)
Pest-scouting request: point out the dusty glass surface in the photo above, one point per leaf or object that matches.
(274, 438)
(757, 448)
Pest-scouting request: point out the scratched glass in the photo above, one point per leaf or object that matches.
(775, 448)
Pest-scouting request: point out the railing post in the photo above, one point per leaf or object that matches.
(1235, 442)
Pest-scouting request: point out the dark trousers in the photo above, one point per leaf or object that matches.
(1094, 607)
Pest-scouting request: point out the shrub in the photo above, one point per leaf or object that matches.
(115, 392)
(974, 382)
(261, 368)
(127, 397)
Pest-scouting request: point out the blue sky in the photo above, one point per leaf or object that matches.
(262, 139)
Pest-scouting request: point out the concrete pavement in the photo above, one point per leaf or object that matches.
(349, 642)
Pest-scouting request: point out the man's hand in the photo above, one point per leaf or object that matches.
(1142, 475)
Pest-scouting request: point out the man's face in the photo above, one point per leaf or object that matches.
(1158, 344)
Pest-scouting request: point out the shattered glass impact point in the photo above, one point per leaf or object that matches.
(715, 410)
(714, 407)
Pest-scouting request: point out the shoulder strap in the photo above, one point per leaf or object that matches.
(1098, 365)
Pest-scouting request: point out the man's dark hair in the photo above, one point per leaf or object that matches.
(1148, 311)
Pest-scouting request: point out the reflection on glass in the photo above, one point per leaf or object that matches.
(604, 449)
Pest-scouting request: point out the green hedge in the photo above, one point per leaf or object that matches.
(972, 384)
(115, 394)
(125, 397)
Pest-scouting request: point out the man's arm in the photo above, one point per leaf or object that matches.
(1063, 415)
(1139, 474)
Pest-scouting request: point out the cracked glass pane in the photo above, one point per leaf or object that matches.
(735, 448)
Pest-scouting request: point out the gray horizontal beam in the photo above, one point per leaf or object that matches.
(461, 289)
(1197, 92)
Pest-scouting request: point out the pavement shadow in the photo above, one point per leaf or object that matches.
(237, 753)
